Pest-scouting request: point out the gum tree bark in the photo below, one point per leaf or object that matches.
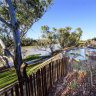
(6, 53)
(17, 41)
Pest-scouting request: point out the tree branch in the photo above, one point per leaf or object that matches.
(6, 51)
(2, 20)
(4, 60)
(15, 5)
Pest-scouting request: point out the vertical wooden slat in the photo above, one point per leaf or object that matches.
(12, 92)
(66, 66)
(26, 88)
(42, 73)
(50, 74)
(34, 80)
(48, 77)
(54, 74)
(45, 83)
(31, 85)
(21, 88)
(57, 70)
(62, 68)
(16, 90)
(5, 94)
(38, 79)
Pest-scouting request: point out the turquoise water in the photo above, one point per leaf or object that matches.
(79, 53)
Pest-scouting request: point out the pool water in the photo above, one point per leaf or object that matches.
(79, 53)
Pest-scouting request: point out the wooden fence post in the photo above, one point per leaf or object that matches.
(50, 74)
(38, 79)
(45, 83)
(11, 91)
(57, 70)
(42, 73)
(6, 94)
(31, 85)
(21, 88)
(16, 90)
(34, 83)
(54, 72)
(27, 88)
(62, 67)
(66, 63)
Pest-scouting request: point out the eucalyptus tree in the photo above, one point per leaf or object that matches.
(67, 38)
(63, 34)
(19, 15)
(48, 38)
(74, 37)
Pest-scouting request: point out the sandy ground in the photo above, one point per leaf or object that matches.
(77, 83)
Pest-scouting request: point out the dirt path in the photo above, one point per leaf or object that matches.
(74, 84)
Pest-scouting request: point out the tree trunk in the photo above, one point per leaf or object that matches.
(5, 61)
(51, 49)
(17, 41)
(5, 53)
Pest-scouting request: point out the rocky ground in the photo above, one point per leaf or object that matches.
(77, 83)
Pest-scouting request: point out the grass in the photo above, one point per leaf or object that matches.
(9, 76)
(73, 84)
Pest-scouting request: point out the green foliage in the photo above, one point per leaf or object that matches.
(27, 13)
(94, 38)
(88, 41)
(9, 42)
(73, 84)
(48, 38)
(67, 38)
(63, 35)
(28, 42)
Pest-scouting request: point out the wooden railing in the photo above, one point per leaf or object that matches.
(40, 80)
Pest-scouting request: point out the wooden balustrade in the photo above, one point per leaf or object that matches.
(40, 81)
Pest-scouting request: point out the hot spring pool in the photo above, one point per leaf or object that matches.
(80, 53)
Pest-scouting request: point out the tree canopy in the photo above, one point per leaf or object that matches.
(27, 13)
(67, 38)
(64, 36)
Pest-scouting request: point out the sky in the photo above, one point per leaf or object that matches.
(73, 13)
